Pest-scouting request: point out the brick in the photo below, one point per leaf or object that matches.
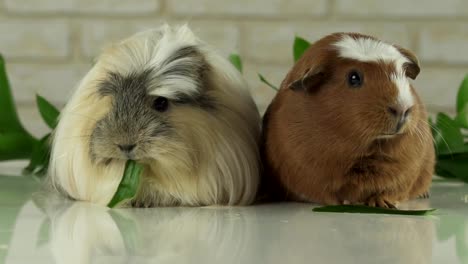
(224, 37)
(34, 39)
(273, 41)
(446, 43)
(438, 86)
(247, 7)
(120, 7)
(96, 35)
(401, 8)
(261, 92)
(54, 82)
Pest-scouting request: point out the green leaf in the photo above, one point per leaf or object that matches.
(267, 82)
(16, 146)
(9, 121)
(453, 167)
(362, 209)
(448, 138)
(299, 47)
(128, 187)
(462, 96)
(462, 117)
(40, 157)
(48, 112)
(236, 61)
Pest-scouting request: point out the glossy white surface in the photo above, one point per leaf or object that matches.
(36, 227)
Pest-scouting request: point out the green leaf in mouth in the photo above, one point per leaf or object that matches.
(129, 184)
(362, 209)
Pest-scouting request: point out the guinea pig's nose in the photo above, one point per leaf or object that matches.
(126, 148)
(399, 112)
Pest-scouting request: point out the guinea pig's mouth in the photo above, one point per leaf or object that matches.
(391, 135)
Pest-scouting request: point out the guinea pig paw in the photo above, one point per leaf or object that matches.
(425, 195)
(380, 201)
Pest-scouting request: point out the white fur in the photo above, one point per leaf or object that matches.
(368, 49)
(225, 168)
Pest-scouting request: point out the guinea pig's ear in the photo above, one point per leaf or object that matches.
(310, 81)
(412, 67)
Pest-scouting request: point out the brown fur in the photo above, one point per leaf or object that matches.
(320, 142)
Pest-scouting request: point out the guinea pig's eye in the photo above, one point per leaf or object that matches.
(355, 79)
(160, 104)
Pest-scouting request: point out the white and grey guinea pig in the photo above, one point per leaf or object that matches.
(169, 101)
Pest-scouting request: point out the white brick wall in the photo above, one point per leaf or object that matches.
(112, 7)
(255, 8)
(49, 44)
(34, 39)
(402, 8)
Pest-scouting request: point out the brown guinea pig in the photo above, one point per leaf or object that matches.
(347, 127)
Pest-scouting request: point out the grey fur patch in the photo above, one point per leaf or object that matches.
(132, 119)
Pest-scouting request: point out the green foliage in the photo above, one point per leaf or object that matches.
(15, 141)
(262, 79)
(236, 61)
(462, 96)
(449, 140)
(362, 209)
(9, 121)
(129, 184)
(40, 156)
(48, 112)
(299, 47)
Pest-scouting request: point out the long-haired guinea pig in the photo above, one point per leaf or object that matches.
(347, 126)
(169, 101)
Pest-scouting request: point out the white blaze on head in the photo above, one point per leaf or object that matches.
(366, 49)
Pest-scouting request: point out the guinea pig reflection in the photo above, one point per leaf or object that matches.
(86, 233)
(353, 238)
(169, 101)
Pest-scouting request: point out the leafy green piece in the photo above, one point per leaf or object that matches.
(40, 157)
(362, 209)
(129, 184)
(235, 59)
(48, 112)
(462, 95)
(15, 146)
(448, 138)
(299, 47)
(267, 82)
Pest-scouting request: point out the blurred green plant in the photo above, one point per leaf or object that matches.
(450, 134)
(15, 141)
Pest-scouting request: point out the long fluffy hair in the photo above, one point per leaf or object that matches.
(203, 150)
